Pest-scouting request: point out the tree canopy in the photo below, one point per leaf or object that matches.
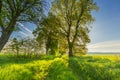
(68, 21)
(13, 11)
(75, 18)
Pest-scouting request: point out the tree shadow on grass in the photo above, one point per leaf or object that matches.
(91, 59)
(59, 70)
(88, 68)
(24, 68)
(52, 68)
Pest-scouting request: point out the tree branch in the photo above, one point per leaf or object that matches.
(14, 5)
(77, 24)
(11, 8)
(0, 6)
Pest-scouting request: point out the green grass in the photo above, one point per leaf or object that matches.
(59, 68)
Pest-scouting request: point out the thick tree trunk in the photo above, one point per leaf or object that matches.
(7, 32)
(70, 49)
(46, 46)
(4, 38)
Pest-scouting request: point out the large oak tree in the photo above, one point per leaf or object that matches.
(13, 11)
(74, 18)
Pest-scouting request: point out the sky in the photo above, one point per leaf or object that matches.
(105, 32)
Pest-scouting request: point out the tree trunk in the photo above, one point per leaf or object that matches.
(70, 49)
(46, 47)
(4, 38)
(7, 32)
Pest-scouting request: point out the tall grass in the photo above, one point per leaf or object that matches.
(60, 68)
(96, 67)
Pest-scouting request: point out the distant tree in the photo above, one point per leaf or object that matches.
(25, 46)
(48, 34)
(74, 17)
(15, 45)
(29, 47)
(13, 11)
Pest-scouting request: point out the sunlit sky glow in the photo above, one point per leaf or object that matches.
(105, 34)
(108, 46)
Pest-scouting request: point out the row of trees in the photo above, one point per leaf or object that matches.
(25, 46)
(64, 30)
(67, 26)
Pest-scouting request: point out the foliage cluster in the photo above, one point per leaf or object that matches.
(67, 26)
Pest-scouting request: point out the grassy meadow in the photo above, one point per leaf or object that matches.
(88, 67)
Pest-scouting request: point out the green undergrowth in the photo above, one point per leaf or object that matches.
(92, 68)
(59, 68)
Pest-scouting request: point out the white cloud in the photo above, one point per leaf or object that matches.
(108, 46)
(24, 27)
(23, 33)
